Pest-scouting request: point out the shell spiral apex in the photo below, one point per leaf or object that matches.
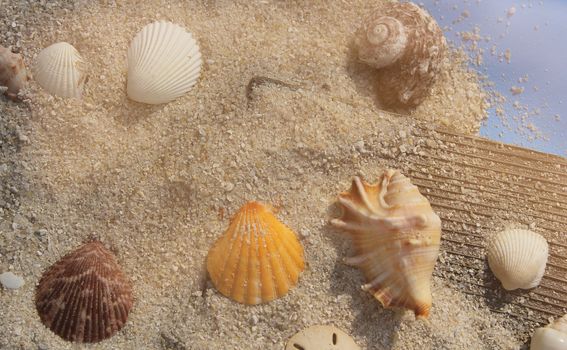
(60, 70)
(407, 46)
(258, 259)
(13, 73)
(164, 62)
(551, 337)
(518, 258)
(396, 236)
(85, 296)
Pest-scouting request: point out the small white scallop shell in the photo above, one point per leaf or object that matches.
(551, 337)
(517, 258)
(164, 62)
(59, 69)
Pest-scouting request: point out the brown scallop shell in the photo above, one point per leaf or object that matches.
(84, 297)
(407, 47)
(13, 74)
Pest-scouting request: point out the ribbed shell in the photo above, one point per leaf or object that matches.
(258, 259)
(13, 74)
(60, 70)
(551, 337)
(321, 338)
(164, 62)
(407, 46)
(396, 237)
(85, 296)
(518, 258)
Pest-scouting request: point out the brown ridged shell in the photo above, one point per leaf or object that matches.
(13, 74)
(84, 297)
(396, 236)
(407, 47)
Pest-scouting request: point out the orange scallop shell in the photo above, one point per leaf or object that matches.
(258, 259)
(396, 237)
(84, 297)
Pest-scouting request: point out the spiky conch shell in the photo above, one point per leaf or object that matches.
(164, 62)
(407, 47)
(258, 259)
(517, 258)
(13, 73)
(84, 297)
(60, 70)
(551, 337)
(396, 236)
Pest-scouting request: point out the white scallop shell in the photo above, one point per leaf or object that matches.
(164, 62)
(59, 69)
(517, 258)
(551, 337)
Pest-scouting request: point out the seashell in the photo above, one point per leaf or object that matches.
(517, 258)
(407, 47)
(13, 73)
(258, 259)
(321, 337)
(11, 281)
(396, 237)
(85, 296)
(59, 69)
(551, 337)
(164, 62)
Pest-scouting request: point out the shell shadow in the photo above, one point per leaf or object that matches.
(368, 311)
(365, 79)
(136, 112)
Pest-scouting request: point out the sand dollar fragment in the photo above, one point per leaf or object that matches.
(258, 259)
(164, 62)
(85, 296)
(321, 338)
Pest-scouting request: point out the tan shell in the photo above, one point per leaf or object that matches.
(551, 337)
(321, 338)
(518, 258)
(258, 259)
(13, 73)
(396, 237)
(85, 296)
(407, 46)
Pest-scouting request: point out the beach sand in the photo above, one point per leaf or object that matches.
(158, 184)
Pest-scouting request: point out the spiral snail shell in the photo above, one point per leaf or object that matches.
(13, 73)
(407, 47)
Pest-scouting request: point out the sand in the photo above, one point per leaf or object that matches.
(158, 184)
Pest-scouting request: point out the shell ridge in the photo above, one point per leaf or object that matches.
(236, 241)
(241, 273)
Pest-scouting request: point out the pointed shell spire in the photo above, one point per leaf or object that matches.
(407, 46)
(551, 337)
(396, 236)
(84, 297)
(13, 73)
(258, 259)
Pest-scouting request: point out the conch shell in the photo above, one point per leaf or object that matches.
(258, 259)
(407, 46)
(518, 258)
(396, 237)
(551, 337)
(13, 73)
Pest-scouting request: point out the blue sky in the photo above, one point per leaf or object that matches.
(536, 36)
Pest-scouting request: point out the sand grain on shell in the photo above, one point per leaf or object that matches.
(158, 183)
